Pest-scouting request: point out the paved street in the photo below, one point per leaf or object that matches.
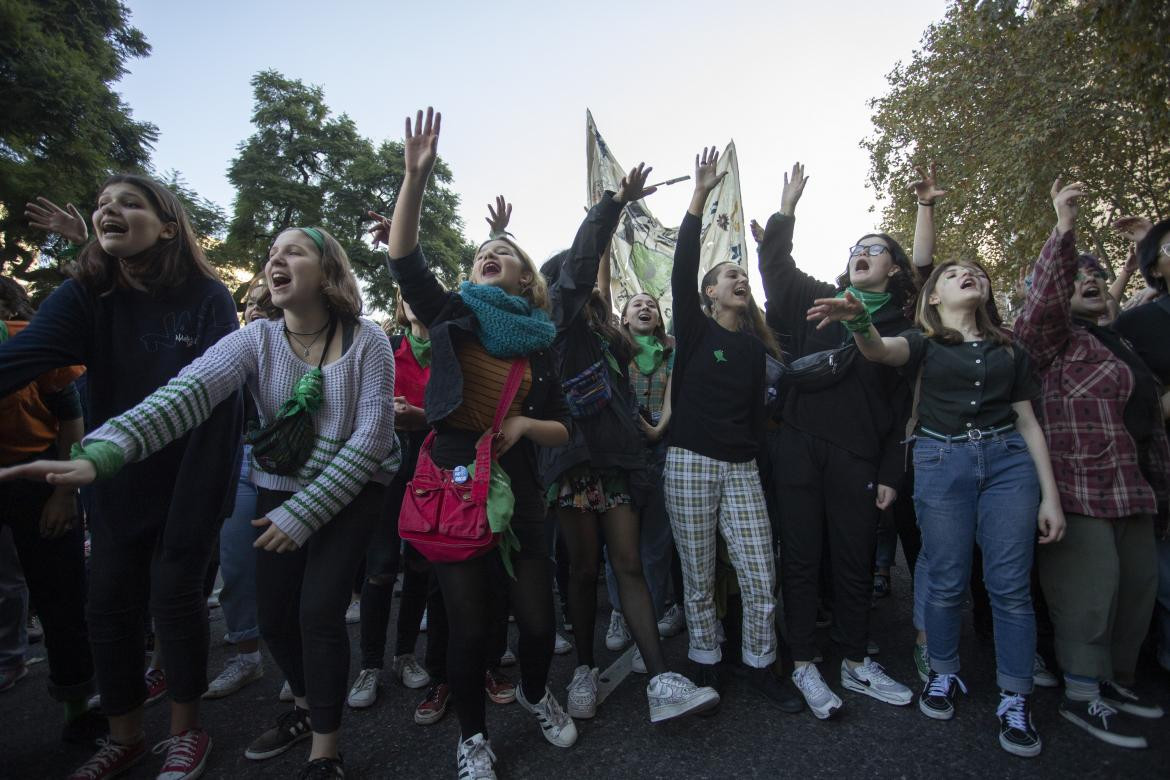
(747, 738)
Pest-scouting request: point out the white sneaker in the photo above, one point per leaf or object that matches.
(353, 613)
(235, 675)
(474, 758)
(562, 645)
(617, 636)
(672, 621)
(871, 679)
(508, 658)
(365, 689)
(410, 672)
(817, 695)
(638, 663)
(285, 692)
(422, 624)
(581, 696)
(557, 727)
(671, 695)
(1041, 676)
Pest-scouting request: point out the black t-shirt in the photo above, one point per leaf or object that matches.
(969, 385)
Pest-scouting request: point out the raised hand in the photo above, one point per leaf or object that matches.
(65, 473)
(1131, 262)
(1022, 282)
(421, 147)
(926, 189)
(380, 232)
(1066, 201)
(633, 186)
(835, 310)
(757, 231)
(793, 189)
(1133, 228)
(499, 216)
(48, 216)
(706, 177)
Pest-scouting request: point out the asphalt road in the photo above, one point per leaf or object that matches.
(748, 738)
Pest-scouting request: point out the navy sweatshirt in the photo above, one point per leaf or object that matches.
(132, 343)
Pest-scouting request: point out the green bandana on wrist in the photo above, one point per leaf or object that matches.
(871, 301)
(649, 355)
(107, 458)
(421, 348)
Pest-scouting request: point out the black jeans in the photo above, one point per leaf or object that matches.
(825, 494)
(166, 566)
(54, 570)
(301, 598)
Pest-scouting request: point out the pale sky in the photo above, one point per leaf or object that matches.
(786, 80)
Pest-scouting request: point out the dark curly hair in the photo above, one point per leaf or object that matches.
(14, 299)
(903, 286)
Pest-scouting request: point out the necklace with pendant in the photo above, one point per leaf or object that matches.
(306, 347)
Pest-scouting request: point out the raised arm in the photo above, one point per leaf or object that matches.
(684, 276)
(927, 193)
(1134, 229)
(1044, 325)
(67, 222)
(888, 350)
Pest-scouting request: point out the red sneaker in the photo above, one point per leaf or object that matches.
(499, 688)
(111, 760)
(186, 755)
(433, 706)
(156, 685)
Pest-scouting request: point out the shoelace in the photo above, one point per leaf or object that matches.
(290, 721)
(108, 754)
(551, 710)
(180, 748)
(1124, 693)
(1011, 708)
(432, 696)
(366, 680)
(1099, 709)
(810, 679)
(584, 679)
(941, 685)
(479, 757)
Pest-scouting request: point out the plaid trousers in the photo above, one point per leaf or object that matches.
(703, 494)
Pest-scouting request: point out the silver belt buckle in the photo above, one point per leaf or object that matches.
(975, 434)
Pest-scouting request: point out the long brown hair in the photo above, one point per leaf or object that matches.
(165, 266)
(752, 319)
(930, 320)
(659, 329)
(340, 290)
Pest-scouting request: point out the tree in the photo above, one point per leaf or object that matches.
(304, 167)
(1007, 96)
(62, 128)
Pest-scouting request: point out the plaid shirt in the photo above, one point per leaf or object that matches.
(650, 389)
(1085, 389)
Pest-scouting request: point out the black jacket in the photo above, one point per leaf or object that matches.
(866, 412)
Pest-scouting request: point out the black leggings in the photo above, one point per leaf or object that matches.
(301, 598)
(472, 612)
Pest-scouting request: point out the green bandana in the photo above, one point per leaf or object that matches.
(315, 235)
(870, 300)
(649, 355)
(3, 332)
(421, 349)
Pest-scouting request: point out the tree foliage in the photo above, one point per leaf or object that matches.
(304, 166)
(63, 129)
(1007, 96)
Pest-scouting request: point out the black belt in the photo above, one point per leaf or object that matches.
(976, 434)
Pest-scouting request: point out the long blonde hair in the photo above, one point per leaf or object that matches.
(536, 292)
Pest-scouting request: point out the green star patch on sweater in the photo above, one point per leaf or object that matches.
(719, 356)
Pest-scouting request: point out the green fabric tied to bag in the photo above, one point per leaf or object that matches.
(501, 504)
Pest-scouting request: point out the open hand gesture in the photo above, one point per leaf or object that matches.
(48, 216)
(499, 216)
(1133, 228)
(793, 189)
(706, 178)
(835, 310)
(1022, 281)
(273, 539)
(926, 189)
(65, 473)
(380, 232)
(421, 147)
(757, 231)
(633, 186)
(1066, 201)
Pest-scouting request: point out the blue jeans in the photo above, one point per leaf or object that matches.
(656, 543)
(237, 561)
(987, 492)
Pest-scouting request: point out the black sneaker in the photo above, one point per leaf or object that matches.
(709, 676)
(1125, 700)
(290, 728)
(937, 699)
(779, 690)
(322, 769)
(1100, 720)
(1017, 733)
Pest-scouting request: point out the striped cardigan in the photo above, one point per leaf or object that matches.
(355, 423)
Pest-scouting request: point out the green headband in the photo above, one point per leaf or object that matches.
(316, 235)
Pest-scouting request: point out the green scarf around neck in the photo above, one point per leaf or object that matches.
(870, 300)
(650, 353)
(421, 349)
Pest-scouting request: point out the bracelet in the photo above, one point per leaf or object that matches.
(928, 205)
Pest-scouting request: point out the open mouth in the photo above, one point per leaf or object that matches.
(1091, 293)
(645, 316)
(490, 268)
(280, 280)
(110, 228)
(969, 284)
(861, 265)
(741, 291)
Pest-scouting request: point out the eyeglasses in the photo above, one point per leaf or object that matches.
(873, 250)
(1165, 248)
(1082, 276)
